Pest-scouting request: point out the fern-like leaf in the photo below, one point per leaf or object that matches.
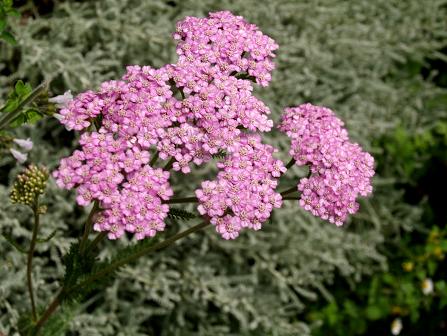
(47, 238)
(16, 245)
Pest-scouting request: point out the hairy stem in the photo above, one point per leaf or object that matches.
(9, 117)
(29, 268)
(182, 200)
(113, 267)
(48, 312)
(88, 227)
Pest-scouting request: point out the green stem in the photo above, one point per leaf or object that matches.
(290, 164)
(289, 198)
(9, 117)
(29, 267)
(96, 241)
(88, 227)
(113, 267)
(182, 200)
(289, 191)
(50, 310)
(154, 158)
(169, 164)
(119, 263)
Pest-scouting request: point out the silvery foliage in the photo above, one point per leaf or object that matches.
(346, 55)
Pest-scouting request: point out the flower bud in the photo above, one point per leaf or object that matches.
(29, 185)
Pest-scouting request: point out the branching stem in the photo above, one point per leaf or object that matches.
(289, 191)
(112, 268)
(88, 227)
(182, 200)
(168, 166)
(290, 164)
(7, 118)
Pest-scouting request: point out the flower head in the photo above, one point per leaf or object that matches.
(62, 101)
(340, 170)
(243, 195)
(427, 286)
(24, 144)
(229, 42)
(19, 156)
(396, 326)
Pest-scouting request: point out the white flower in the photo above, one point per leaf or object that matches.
(61, 101)
(19, 156)
(427, 286)
(26, 145)
(396, 326)
(58, 116)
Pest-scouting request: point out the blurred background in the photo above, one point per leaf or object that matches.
(381, 65)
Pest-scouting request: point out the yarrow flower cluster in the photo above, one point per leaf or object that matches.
(243, 195)
(340, 170)
(185, 112)
(228, 42)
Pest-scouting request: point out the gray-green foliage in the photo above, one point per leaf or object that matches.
(354, 56)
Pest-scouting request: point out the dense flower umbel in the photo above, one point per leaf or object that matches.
(186, 112)
(340, 170)
(116, 173)
(243, 195)
(228, 42)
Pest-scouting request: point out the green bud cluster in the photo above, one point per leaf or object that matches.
(29, 185)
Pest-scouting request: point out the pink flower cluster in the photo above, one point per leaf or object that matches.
(185, 112)
(119, 177)
(228, 42)
(340, 169)
(243, 195)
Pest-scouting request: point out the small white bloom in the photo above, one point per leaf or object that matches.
(62, 100)
(26, 145)
(396, 326)
(19, 156)
(58, 116)
(427, 286)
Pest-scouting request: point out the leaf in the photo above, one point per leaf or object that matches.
(19, 121)
(374, 312)
(32, 116)
(8, 37)
(22, 89)
(76, 265)
(13, 12)
(48, 238)
(2, 24)
(11, 240)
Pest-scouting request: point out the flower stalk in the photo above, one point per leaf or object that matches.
(112, 268)
(29, 266)
(88, 227)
